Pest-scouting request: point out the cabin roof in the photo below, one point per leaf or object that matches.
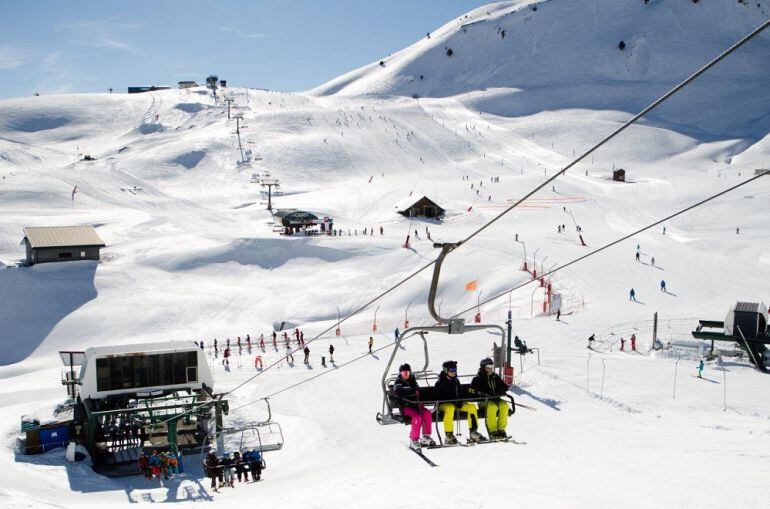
(137, 348)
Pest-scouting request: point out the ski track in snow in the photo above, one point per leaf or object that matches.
(191, 254)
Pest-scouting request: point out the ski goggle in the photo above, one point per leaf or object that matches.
(453, 370)
(489, 367)
(405, 372)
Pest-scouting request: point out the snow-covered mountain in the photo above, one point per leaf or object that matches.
(192, 253)
(530, 56)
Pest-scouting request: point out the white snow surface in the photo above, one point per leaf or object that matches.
(191, 254)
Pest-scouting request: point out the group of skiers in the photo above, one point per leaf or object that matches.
(486, 390)
(160, 465)
(632, 292)
(229, 468)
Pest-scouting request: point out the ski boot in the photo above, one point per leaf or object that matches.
(415, 445)
(427, 441)
(450, 438)
(476, 436)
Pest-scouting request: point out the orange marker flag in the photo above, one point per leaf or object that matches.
(471, 286)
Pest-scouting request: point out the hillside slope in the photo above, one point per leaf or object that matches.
(192, 254)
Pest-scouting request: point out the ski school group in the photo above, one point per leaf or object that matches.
(449, 396)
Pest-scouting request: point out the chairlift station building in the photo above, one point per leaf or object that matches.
(61, 244)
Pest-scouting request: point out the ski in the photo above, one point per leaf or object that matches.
(425, 458)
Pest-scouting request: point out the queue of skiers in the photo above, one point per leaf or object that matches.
(229, 468)
(484, 393)
(159, 465)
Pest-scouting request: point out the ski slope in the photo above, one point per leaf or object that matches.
(192, 255)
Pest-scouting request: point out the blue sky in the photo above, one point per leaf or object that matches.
(89, 46)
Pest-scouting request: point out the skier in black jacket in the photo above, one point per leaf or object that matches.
(213, 470)
(449, 389)
(407, 391)
(488, 383)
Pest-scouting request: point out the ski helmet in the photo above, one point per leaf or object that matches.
(405, 367)
(449, 365)
(486, 362)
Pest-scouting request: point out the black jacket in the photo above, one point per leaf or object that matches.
(488, 385)
(448, 388)
(407, 389)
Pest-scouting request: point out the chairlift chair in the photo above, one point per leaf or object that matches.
(262, 436)
(391, 405)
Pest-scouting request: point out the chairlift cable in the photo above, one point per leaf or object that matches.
(545, 183)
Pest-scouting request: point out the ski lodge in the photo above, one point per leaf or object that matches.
(291, 221)
(61, 244)
(424, 207)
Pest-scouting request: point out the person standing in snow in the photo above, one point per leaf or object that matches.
(213, 470)
(331, 354)
(144, 465)
(371, 343)
(558, 315)
(488, 384)
(396, 334)
(382, 231)
(289, 356)
(262, 342)
(407, 391)
(633, 342)
(226, 357)
(306, 351)
(700, 369)
(632, 295)
(663, 285)
(637, 256)
(591, 340)
(622, 345)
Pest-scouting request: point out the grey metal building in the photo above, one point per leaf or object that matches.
(61, 244)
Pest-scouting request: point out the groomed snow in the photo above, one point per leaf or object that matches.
(191, 254)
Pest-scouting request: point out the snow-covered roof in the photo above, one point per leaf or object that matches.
(62, 236)
(170, 346)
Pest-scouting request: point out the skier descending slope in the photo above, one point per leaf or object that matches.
(407, 390)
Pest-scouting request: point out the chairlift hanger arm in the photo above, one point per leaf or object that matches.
(446, 248)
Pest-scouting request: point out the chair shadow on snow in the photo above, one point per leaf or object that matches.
(552, 403)
(34, 300)
(189, 486)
